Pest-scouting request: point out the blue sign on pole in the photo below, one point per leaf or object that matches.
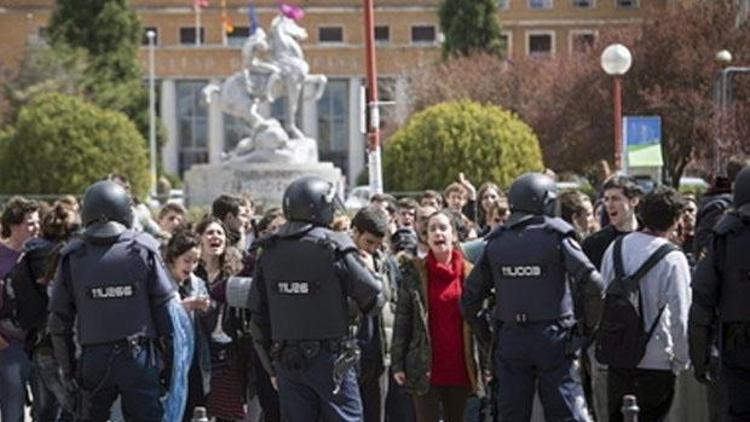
(642, 141)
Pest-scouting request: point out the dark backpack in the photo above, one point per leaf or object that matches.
(621, 340)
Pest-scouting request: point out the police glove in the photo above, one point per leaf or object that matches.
(699, 340)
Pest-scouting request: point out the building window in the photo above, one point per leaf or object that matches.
(583, 4)
(330, 34)
(627, 3)
(503, 4)
(539, 44)
(238, 37)
(192, 124)
(144, 38)
(421, 34)
(581, 41)
(187, 35)
(540, 4)
(382, 34)
(333, 124)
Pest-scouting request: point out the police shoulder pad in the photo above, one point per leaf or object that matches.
(341, 241)
(728, 223)
(559, 225)
(147, 241)
(73, 245)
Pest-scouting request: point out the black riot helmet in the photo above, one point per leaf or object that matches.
(533, 193)
(311, 199)
(741, 189)
(106, 210)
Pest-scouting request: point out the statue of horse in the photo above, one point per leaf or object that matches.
(240, 94)
(287, 55)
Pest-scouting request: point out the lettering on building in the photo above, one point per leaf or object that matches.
(112, 292)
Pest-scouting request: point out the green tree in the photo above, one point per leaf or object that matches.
(484, 142)
(61, 144)
(109, 31)
(470, 26)
(45, 70)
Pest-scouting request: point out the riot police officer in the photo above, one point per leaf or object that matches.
(528, 262)
(300, 313)
(721, 287)
(112, 284)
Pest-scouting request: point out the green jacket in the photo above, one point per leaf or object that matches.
(411, 351)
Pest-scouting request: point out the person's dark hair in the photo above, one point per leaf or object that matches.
(734, 165)
(628, 185)
(661, 208)
(572, 203)
(371, 220)
(431, 194)
(267, 219)
(59, 223)
(226, 204)
(231, 260)
(171, 207)
(407, 203)
(181, 241)
(15, 211)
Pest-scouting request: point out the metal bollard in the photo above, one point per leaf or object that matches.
(199, 415)
(629, 408)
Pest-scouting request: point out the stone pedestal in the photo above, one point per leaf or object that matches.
(266, 182)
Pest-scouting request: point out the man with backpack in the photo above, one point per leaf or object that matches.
(643, 331)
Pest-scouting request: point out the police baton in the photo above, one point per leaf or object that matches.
(629, 408)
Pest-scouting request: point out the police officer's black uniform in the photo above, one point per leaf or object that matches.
(721, 288)
(527, 262)
(113, 285)
(300, 314)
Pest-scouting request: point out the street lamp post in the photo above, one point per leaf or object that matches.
(722, 96)
(151, 113)
(616, 60)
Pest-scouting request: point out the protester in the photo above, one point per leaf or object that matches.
(182, 256)
(369, 230)
(20, 222)
(664, 298)
(171, 216)
(433, 350)
(219, 261)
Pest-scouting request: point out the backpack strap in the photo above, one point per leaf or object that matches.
(651, 261)
(617, 257)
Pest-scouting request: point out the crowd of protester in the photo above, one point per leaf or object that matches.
(419, 360)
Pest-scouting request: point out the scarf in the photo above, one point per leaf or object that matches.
(445, 273)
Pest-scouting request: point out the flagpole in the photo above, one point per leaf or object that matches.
(197, 23)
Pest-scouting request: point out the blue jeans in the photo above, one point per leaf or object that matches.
(52, 402)
(534, 354)
(15, 370)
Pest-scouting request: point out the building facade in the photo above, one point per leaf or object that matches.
(407, 36)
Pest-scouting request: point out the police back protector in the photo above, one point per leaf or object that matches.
(306, 300)
(109, 283)
(733, 235)
(529, 273)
